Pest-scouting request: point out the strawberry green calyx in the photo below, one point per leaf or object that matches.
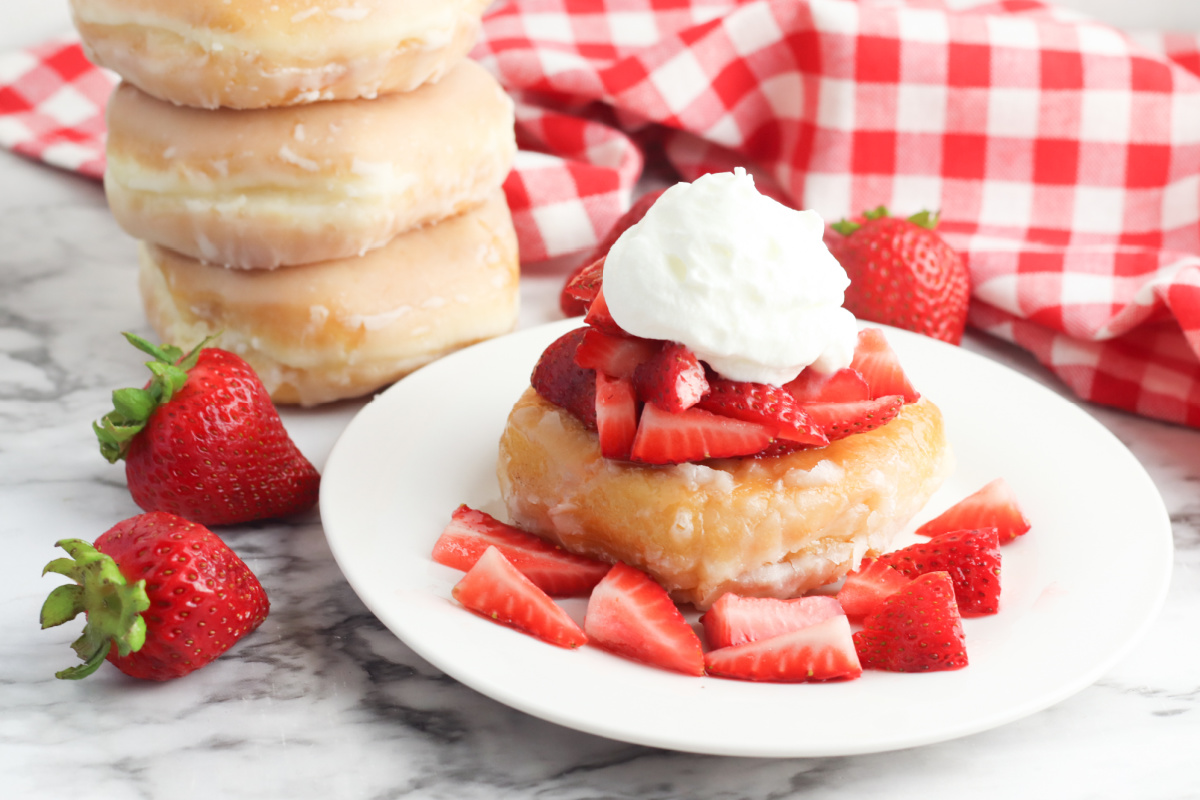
(132, 407)
(922, 219)
(113, 606)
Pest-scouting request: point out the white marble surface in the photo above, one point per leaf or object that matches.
(323, 702)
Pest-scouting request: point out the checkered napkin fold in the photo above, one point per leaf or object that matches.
(1063, 155)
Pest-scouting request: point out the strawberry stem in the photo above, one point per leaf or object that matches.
(132, 407)
(926, 219)
(113, 606)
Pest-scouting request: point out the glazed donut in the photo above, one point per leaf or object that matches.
(266, 53)
(284, 186)
(344, 328)
(769, 527)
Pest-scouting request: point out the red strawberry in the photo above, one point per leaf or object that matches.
(573, 306)
(770, 406)
(878, 365)
(553, 570)
(916, 629)
(631, 615)
(820, 652)
(599, 317)
(672, 379)
(203, 440)
(693, 435)
(559, 380)
(618, 356)
(902, 273)
(616, 416)
(843, 386)
(993, 506)
(163, 597)
(582, 287)
(866, 587)
(970, 558)
(734, 619)
(839, 420)
(495, 589)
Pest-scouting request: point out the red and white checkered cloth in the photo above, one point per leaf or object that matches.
(1064, 156)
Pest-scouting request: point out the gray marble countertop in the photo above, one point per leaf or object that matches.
(324, 702)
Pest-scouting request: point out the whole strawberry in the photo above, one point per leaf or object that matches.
(902, 273)
(203, 440)
(163, 597)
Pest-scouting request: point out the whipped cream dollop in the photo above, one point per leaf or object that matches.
(744, 281)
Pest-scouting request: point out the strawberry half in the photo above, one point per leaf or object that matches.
(823, 651)
(879, 366)
(553, 570)
(632, 616)
(203, 440)
(497, 590)
(843, 386)
(672, 379)
(866, 587)
(915, 629)
(839, 420)
(993, 506)
(559, 380)
(163, 597)
(770, 406)
(617, 356)
(970, 558)
(735, 620)
(616, 416)
(693, 435)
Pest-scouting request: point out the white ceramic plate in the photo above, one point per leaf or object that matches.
(1077, 590)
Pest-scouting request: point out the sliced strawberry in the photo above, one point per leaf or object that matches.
(495, 589)
(673, 379)
(839, 420)
(582, 288)
(843, 386)
(734, 619)
(866, 587)
(915, 629)
(693, 435)
(770, 406)
(970, 558)
(617, 356)
(631, 615)
(993, 506)
(559, 380)
(553, 570)
(599, 317)
(875, 360)
(820, 652)
(616, 415)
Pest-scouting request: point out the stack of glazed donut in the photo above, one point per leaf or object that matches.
(318, 181)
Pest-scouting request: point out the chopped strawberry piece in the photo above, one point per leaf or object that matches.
(875, 360)
(770, 406)
(559, 380)
(780, 447)
(693, 435)
(616, 415)
(868, 586)
(734, 619)
(970, 558)
(599, 317)
(495, 589)
(839, 420)
(820, 652)
(582, 288)
(631, 615)
(843, 386)
(993, 506)
(673, 379)
(915, 629)
(617, 356)
(553, 570)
